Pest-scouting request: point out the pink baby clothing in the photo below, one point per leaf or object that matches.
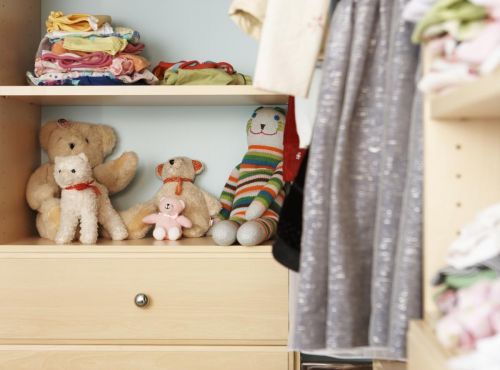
(70, 61)
(477, 50)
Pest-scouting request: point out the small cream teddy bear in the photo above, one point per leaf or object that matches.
(84, 201)
(169, 221)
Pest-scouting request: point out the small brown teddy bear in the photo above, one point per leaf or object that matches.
(64, 138)
(178, 176)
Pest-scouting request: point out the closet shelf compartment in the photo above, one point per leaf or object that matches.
(142, 95)
(476, 100)
(146, 245)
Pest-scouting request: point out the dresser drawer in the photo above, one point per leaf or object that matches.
(143, 358)
(194, 298)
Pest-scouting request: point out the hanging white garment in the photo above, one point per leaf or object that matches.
(249, 15)
(305, 110)
(416, 9)
(290, 43)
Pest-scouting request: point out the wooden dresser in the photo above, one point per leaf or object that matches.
(142, 305)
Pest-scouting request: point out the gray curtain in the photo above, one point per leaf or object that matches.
(360, 272)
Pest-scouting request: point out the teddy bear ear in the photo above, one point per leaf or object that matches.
(198, 167)
(108, 137)
(183, 205)
(45, 133)
(57, 160)
(83, 156)
(159, 170)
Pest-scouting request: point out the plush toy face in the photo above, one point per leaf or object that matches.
(179, 167)
(171, 206)
(65, 138)
(266, 127)
(72, 170)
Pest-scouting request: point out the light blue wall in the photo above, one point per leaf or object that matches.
(172, 30)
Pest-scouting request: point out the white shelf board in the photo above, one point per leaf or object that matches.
(142, 95)
(475, 100)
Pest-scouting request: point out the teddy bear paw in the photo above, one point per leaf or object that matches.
(119, 233)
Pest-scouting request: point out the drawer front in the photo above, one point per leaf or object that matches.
(192, 300)
(142, 358)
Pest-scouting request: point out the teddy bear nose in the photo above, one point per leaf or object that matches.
(171, 161)
(71, 146)
(262, 126)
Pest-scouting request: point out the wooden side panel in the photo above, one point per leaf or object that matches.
(19, 156)
(19, 122)
(389, 365)
(142, 357)
(462, 177)
(20, 30)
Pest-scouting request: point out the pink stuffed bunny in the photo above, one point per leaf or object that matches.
(169, 221)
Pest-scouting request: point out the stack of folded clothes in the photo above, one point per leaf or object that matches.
(196, 73)
(82, 49)
(469, 296)
(462, 35)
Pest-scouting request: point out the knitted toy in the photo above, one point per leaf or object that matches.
(253, 194)
(169, 221)
(84, 201)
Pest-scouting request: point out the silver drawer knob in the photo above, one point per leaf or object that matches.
(141, 300)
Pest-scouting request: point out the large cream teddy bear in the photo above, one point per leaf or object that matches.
(84, 202)
(65, 138)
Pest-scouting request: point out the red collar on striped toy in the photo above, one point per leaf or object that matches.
(179, 181)
(85, 186)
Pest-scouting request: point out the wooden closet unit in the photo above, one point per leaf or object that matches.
(82, 307)
(462, 177)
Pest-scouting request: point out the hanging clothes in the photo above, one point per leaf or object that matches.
(290, 43)
(360, 266)
(249, 15)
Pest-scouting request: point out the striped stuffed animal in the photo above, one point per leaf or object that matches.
(253, 195)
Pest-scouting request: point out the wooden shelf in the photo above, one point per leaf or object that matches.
(424, 350)
(476, 100)
(148, 245)
(142, 95)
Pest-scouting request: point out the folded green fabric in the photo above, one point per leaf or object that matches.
(207, 76)
(465, 281)
(448, 10)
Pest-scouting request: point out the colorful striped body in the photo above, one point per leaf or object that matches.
(259, 177)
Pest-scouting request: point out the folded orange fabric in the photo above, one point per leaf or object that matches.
(140, 63)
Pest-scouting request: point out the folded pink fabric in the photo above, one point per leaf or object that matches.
(477, 50)
(97, 59)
